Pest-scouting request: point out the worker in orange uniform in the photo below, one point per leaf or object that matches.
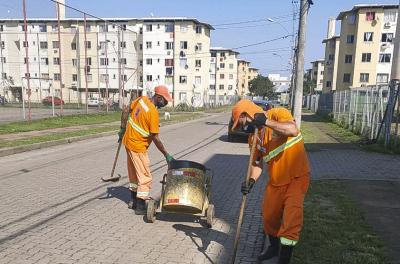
(281, 146)
(142, 128)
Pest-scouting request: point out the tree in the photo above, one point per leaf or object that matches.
(262, 86)
(308, 84)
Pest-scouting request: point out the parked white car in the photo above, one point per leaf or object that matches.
(93, 102)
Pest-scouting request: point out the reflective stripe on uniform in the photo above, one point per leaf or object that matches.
(272, 154)
(140, 130)
(288, 242)
(143, 194)
(144, 106)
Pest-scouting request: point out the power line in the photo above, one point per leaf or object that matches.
(252, 21)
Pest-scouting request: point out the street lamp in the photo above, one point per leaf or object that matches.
(279, 23)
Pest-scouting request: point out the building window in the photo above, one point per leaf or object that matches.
(122, 44)
(198, 63)
(169, 71)
(88, 28)
(123, 27)
(169, 80)
(230, 87)
(103, 78)
(56, 61)
(88, 61)
(89, 77)
(141, 46)
(73, 45)
(56, 77)
(184, 28)
(387, 37)
(328, 84)
(169, 28)
(2, 45)
(56, 44)
(184, 45)
(230, 76)
(382, 78)
(364, 77)
(1, 28)
(123, 61)
(222, 65)
(74, 62)
(385, 57)
(231, 66)
(88, 44)
(43, 44)
(222, 76)
(351, 19)
(149, 28)
(124, 78)
(368, 36)
(198, 47)
(348, 59)
(74, 77)
(141, 63)
(169, 45)
(25, 44)
(149, 78)
(331, 57)
(370, 16)
(212, 86)
(25, 60)
(366, 57)
(44, 61)
(103, 28)
(197, 80)
(103, 61)
(149, 61)
(346, 77)
(390, 16)
(212, 76)
(3, 59)
(42, 28)
(183, 63)
(182, 79)
(350, 39)
(148, 45)
(169, 62)
(198, 29)
(221, 87)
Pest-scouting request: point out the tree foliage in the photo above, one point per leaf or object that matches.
(262, 86)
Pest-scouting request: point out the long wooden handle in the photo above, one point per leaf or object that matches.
(243, 205)
(116, 159)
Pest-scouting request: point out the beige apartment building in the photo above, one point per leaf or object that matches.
(366, 45)
(317, 75)
(253, 73)
(332, 46)
(118, 56)
(243, 77)
(224, 72)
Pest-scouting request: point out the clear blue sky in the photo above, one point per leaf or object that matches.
(217, 12)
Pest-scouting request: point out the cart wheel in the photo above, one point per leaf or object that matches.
(210, 215)
(151, 211)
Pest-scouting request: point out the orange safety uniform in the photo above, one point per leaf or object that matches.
(289, 176)
(142, 122)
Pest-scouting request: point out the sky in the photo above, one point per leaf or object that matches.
(272, 20)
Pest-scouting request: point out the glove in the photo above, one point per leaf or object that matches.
(121, 134)
(246, 188)
(259, 120)
(169, 158)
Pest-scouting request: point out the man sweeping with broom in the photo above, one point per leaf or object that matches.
(281, 146)
(142, 128)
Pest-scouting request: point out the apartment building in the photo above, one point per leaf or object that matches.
(332, 46)
(279, 80)
(223, 75)
(317, 74)
(118, 56)
(366, 49)
(243, 77)
(253, 73)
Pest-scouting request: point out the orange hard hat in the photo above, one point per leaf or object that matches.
(161, 90)
(244, 106)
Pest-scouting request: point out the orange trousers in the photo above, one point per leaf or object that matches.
(283, 208)
(140, 178)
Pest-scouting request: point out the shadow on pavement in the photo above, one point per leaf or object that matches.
(206, 236)
(120, 192)
(215, 124)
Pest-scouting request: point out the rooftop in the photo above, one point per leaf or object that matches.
(223, 49)
(332, 38)
(356, 8)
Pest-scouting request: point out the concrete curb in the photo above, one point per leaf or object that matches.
(20, 149)
(15, 150)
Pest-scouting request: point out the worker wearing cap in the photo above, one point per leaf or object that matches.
(142, 128)
(281, 146)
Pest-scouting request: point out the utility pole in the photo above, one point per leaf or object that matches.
(28, 75)
(304, 6)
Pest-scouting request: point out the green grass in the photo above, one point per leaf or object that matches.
(335, 230)
(175, 118)
(57, 122)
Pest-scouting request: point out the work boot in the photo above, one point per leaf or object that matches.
(140, 207)
(285, 254)
(133, 202)
(271, 251)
